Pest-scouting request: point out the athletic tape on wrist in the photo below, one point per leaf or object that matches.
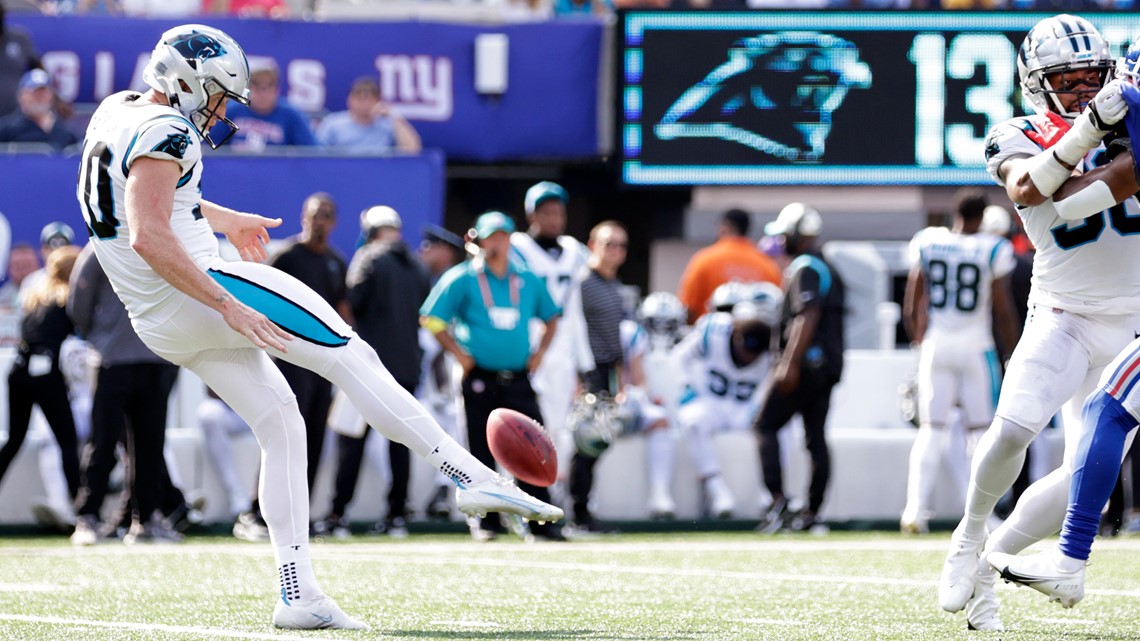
(1047, 173)
(1093, 199)
(1078, 141)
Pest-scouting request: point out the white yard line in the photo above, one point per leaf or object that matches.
(209, 633)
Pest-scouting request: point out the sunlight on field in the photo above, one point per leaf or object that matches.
(717, 586)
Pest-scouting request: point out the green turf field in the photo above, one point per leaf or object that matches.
(714, 586)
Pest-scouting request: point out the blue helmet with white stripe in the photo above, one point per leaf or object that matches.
(1129, 67)
(1060, 44)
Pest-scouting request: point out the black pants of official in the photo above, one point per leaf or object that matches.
(582, 466)
(49, 391)
(130, 404)
(483, 392)
(314, 398)
(350, 454)
(811, 400)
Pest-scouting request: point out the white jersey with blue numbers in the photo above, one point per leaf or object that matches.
(706, 356)
(1087, 267)
(122, 130)
(959, 270)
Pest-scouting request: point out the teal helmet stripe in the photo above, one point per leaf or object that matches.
(286, 314)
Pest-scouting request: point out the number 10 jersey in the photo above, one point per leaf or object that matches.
(122, 130)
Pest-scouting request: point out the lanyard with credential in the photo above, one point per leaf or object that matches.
(485, 288)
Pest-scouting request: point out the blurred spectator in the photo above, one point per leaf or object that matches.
(731, 257)
(564, 8)
(274, 9)
(810, 364)
(480, 312)
(161, 8)
(35, 377)
(36, 120)
(81, 7)
(52, 237)
(132, 391)
(369, 125)
(440, 250)
(268, 120)
(22, 261)
(17, 56)
(310, 258)
(556, 258)
(386, 285)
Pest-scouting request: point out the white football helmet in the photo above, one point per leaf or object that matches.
(193, 63)
(1060, 44)
(663, 316)
(1129, 67)
(768, 300)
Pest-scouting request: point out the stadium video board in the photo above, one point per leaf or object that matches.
(820, 97)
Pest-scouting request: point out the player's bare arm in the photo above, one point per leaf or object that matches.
(914, 304)
(1108, 185)
(149, 204)
(1005, 316)
(249, 233)
(787, 376)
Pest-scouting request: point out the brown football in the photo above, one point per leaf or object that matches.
(522, 446)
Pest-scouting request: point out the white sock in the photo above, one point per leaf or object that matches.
(295, 572)
(659, 455)
(1038, 514)
(997, 462)
(458, 464)
(1067, 563)
(925, 458)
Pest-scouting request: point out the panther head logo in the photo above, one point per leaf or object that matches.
(198, 46)
(775, 94)
(174, 145)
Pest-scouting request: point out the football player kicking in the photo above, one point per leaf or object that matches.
(140, 192)
(1084, 299)
(1111, 415)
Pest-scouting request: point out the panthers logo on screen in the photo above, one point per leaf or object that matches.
(198, 45)
(775, 94)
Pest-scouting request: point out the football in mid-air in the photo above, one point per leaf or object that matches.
(522, 446)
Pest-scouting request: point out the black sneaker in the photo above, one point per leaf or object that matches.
(547, 532)
(806, 521)
(439, 507)
(394, 527)
(333, 526)
(776, 517)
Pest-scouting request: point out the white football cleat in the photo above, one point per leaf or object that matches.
(500, 494)
(982, 611)
(956, 585)
(316, 614)
(721, 501)
(661, 505)
(1042, 573)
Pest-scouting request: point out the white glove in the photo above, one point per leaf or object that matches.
(1108, 106)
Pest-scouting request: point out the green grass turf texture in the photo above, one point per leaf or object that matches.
(695, 586)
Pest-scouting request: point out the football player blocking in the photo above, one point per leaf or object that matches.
(1079, 320)
(1111, 415)
(139, 191)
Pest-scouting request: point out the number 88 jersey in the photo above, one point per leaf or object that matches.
(959, 270)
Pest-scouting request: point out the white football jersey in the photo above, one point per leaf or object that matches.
(706, 356)
(557, 273)
(959, 271)
(121, 131)
(1087, 267)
